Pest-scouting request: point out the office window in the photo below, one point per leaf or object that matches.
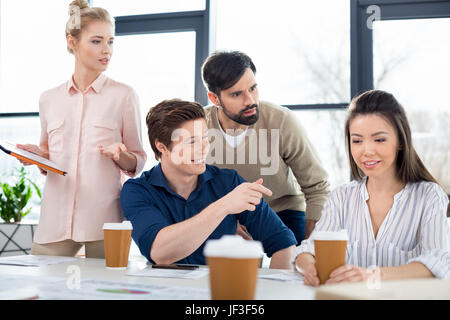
(132, 7)
(325, 130)
(411, 60)
(33, 55)
(33, 58)
(21, 130)
(158, 66)
(301, 49)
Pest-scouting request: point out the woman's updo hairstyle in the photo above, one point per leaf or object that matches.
(81, 15)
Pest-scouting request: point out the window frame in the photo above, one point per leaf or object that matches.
(361, 41)
(197, 21)
(361, 37)
(202, 23)
(361, 46)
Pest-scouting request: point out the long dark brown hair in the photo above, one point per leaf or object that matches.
(409, 166)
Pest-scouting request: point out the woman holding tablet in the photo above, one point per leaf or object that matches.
(394, 211)
(90, 126)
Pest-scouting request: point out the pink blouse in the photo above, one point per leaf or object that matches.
(73, 125)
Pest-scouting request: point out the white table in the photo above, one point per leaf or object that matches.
(95, 269)
(85, 270)
(413, 289)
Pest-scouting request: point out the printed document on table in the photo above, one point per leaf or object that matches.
(112, 290)
(283, 276)
(19, 286)
(34, 261)
(169, 273)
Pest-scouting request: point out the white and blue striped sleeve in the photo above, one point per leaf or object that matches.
(329, 221)
(435, 236)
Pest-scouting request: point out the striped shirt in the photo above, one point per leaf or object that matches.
(414, 230)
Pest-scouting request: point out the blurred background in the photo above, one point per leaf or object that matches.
(311, 56)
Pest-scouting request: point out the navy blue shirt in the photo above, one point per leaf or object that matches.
(150, 205)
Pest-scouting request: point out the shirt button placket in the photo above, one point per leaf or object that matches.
(373, 258)
(186, 210)
(76, 155)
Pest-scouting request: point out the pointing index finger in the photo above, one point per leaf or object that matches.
(260, 188)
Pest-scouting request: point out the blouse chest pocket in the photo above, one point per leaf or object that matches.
(55, 133)
(104, 132)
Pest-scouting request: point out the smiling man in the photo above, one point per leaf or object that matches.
(181, 203)
(249, 129)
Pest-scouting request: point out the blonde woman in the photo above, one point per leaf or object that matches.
(90, 126)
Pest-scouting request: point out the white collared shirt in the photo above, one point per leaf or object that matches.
(414, 230)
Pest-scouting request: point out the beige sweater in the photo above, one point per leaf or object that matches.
(276, 149)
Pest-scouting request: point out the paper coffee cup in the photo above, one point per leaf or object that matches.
(233, 267)
(330, 248)
(117, 243)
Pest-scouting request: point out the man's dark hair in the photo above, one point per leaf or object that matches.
(223, 69)
(167, 116)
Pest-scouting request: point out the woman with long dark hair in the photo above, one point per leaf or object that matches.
(394, 211)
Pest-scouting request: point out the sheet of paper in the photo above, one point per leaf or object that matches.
(169, 273)
(283, 276)
(112, 290)
(9, 281)
(20, 287)
(26, 293)
(34, 261)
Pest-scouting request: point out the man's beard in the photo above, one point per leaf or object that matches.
(240, 117)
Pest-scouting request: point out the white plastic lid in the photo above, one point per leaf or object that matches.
(125, 225)
(233, 246)
(330, 235)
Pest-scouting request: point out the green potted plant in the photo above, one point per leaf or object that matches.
(14, 198)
